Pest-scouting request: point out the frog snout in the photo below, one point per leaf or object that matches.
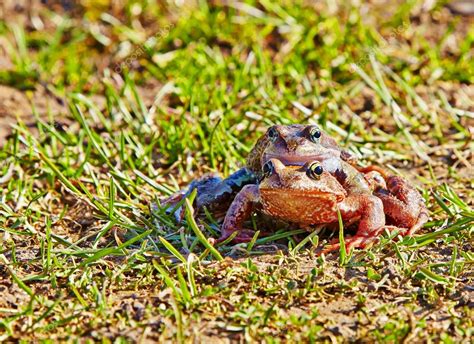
(292, 143)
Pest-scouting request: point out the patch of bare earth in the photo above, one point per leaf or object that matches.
(17, 105)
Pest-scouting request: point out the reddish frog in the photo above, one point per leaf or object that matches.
(297, 145)
(306, 195)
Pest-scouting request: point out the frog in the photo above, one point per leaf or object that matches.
(295, 145)
(305, 195)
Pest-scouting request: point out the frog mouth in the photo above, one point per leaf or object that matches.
(301, 194)
(297, 160)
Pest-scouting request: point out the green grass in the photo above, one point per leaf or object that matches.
(84, 254)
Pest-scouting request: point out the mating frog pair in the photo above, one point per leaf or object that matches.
(299, 174)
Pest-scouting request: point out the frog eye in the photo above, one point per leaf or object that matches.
(314, 170)
(273, 133)
(314, 134)
(268, 169)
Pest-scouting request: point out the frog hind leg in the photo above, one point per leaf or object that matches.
(221, 194)
(203, 186)
(372, 220)
(403, 204)
(239, 211)
(213, 192)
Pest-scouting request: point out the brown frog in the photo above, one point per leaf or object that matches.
(306, 195)
(296, 145)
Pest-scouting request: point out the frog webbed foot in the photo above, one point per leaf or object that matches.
(362, 240)
(171, 203)
(369, 210)
(356, 241)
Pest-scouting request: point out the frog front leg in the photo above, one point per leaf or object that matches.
(370, 210)
(240, 210)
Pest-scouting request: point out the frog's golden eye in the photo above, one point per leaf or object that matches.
(314, 134)
(273, 133)
(314, 170)
(268, 169)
